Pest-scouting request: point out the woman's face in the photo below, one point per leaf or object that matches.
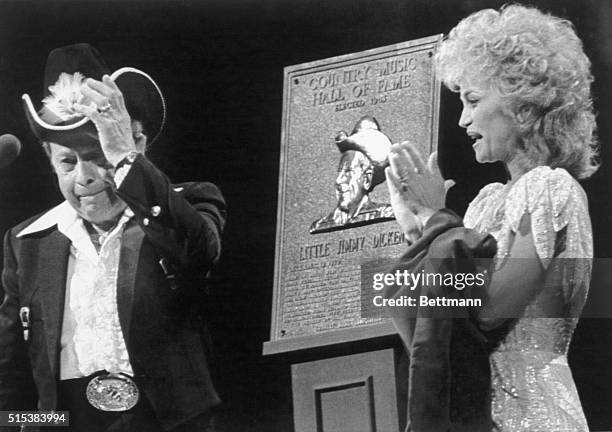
(488, 122)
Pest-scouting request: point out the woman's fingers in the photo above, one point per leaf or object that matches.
(405, 217)
(401, 162)
(421, 182)
(449, 184)
(432, 163)
(415, 156)
(400, 187)
(434, 168)
(393, 182)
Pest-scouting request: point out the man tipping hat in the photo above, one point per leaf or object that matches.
(101, 315)
(364, 156)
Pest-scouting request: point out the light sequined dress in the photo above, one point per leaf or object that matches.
(532, 385)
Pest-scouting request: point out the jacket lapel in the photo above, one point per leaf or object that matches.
(54, 252)
(128, 262)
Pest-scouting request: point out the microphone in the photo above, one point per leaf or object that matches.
(10, 147)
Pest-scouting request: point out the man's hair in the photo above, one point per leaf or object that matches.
(536, 63)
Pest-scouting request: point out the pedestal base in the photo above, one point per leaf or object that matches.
(353, 393)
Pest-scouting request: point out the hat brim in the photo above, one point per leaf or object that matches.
(143, 99)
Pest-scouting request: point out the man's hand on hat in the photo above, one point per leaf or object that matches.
(109, 114)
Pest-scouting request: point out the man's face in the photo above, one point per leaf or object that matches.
(353, 181)
(85, 178)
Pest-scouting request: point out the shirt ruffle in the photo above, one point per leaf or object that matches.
(98, 337)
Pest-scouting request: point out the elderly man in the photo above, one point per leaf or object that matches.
(361, 168)
(102, 311)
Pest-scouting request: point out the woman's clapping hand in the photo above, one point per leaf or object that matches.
(416, 189)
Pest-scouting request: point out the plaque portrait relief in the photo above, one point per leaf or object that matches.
(334, 218)
(363, 159)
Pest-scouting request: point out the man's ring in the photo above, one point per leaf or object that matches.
(104, 108)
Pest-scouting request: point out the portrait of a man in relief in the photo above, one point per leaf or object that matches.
(363, 158)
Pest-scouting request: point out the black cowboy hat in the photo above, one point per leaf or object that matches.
(66, 68)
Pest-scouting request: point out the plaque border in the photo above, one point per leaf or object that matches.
(349, 334)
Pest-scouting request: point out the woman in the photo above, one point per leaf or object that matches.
(524, 82)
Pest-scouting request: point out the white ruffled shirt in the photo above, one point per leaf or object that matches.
(91, 338)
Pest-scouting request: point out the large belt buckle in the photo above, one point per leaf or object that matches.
(112, 392)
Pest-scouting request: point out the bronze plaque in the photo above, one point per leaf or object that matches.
(340, 116)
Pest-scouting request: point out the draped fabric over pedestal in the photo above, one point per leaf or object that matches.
(449, 378)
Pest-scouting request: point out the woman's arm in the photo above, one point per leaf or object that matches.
(415, 187)
(515, 283)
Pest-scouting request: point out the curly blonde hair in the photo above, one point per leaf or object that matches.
(536, 63)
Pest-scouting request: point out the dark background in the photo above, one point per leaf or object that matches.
(220, 65)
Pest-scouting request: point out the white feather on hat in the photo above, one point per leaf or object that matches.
(64, 94)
